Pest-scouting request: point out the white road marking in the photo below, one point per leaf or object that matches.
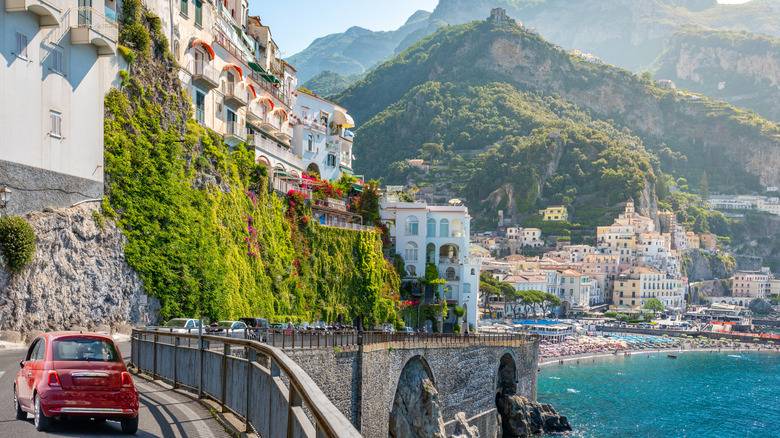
(1, 373)
(193, 418)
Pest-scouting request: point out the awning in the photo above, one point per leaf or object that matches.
(280, 110)
(271, 78)
(346, 169)
(256, 67)
(340, 118)
(267, 100)
(236, 68)
(205, 46)
(252, 87)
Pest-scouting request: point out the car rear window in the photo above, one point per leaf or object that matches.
(97, 350)
(176, 323)
(225, 324)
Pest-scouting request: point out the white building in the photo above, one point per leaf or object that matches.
(321, 136)
(438, 235)
(57, 65)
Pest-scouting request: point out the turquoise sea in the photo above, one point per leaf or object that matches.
(696, 395)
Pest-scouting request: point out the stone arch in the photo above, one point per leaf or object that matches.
(313, 167)
(264, 161)
(506, 378)
(448, 253)
(415, 392)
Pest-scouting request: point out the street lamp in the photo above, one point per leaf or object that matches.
(5, 196)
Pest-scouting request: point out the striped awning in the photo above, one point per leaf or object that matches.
(205, 46)
(237, 69)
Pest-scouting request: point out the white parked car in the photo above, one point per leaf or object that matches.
(182, 325)
(233, 329)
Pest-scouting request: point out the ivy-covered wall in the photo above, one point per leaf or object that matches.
(202, 228)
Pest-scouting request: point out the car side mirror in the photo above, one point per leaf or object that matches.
(21, 364)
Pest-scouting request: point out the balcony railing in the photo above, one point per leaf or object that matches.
(348, 226)
(235, 93)
(86, 17)
(203, 72)
(335, 204)
(276, 150)
(271, 88)
(284, 187)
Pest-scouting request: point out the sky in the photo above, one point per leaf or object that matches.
(297, 23)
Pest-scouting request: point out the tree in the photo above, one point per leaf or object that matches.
(655, 305)
(488, 286)
(549, 300)
(432, 149)
(530, 298)
(647, 75)
(704, 187)
(701, 224)
(459, 312)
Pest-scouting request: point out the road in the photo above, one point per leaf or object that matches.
(164, 413)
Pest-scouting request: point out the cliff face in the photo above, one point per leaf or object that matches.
(78, 280)
(699, 265)
(743, 69)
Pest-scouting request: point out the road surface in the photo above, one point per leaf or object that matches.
(163, 413)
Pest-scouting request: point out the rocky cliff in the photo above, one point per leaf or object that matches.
(699, 265)
(741, 68)
(78, 280)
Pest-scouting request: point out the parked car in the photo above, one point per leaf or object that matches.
(257, 326)
(233, 329)
(407, 330)
(183, 325)
(70, 374)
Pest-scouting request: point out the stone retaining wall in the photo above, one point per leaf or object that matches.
(362, 381)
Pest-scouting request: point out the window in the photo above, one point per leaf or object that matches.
(21, 45)
(310, 142)
(199, 12)
(331, 160)
(444, 228)
(200, 106)
(411, 270)
(431, 228)
(36, 351)
(57, 64)
(412, 225)
(411, 252)
(84, 350)
(56, 124)
(183, 8)
(231, 123)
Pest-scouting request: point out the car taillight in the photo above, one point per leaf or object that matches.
(54, 379)
(126, 381)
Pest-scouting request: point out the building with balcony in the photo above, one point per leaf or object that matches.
(754, 284)
(321, 136)
(56, 69)
(637, 285)
(555, 213)
(436, 235)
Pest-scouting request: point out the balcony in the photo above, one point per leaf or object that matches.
(235, 132)
(284, 135)
(235, 94)
(333, 204)
(88, 26)
(48, 11)
(203, 74)
(275, 150)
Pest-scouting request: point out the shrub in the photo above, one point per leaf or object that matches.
(456, 328)
(127, 53)
(17, 242)
(100, 221)
(125, 77)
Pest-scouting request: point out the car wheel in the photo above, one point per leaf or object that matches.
(130, 425)
(20, 414)
(42, 422)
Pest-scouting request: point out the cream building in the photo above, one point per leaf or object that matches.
(57, 65)
(532, 237)
(754, 284)
(637, 285)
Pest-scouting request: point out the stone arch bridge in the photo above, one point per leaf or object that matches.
(362, 379)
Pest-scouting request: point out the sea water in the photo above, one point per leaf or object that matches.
(729, 394)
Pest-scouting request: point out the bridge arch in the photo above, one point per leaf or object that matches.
(506, 378)
(414, 384)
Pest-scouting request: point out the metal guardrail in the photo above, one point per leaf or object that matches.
(248, 383)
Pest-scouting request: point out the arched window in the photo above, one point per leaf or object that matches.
(444, 228)
(411, 270)
(456, 228)
(430, 253)
(431, 227)
(450, 273)
(412, 225)
(411, 252)
(472, 271)
(447, 292)
(310, 142)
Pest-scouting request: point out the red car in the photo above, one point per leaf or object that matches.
(73, 374)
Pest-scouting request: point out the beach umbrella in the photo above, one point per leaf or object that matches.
(770, 342)
(755, 339)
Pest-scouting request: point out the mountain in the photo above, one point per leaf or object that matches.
(739, 67)
(356, 50)
(328, 82)
(523, 123)
(627, 33)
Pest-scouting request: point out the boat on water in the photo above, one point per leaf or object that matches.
(671, 356)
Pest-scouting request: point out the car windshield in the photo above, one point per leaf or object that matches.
(176, 323)
(85, 349)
